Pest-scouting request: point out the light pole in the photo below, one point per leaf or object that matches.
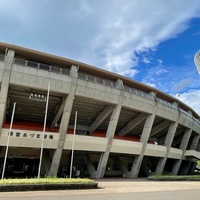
(41, 98)
(8, 140)
(45, 119)
(72, 156)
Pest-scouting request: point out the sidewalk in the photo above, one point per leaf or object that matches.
(142, 185)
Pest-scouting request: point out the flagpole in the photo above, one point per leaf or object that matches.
(72, 156)
(8, 140)
(45, 119)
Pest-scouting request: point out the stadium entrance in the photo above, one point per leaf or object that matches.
(20, 167)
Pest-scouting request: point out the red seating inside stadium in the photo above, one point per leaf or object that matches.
(35, 126)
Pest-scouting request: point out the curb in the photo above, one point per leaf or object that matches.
(175, 179)
(40, 187)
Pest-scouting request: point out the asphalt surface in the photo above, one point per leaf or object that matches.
(118, 189)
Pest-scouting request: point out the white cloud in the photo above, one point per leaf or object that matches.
(191, 98)
(150, 84)
(146, 60)
(181, 85)
(152, 76)
(160, 61)
(102, 33)
(197, 33)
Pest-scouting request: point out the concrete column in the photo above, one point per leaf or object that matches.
(110, 133)
(58, 114)
(198, 147)
(100, 118)
(90, 167)
(8, 62)
(195, 142)
(183, 147)
(46, 163)
(120, 165)
(192, 168)
(168, 142)
(159, 127)
(144, 139)
(153, 95)
(186, 168)
(132, 124)
(64, 122)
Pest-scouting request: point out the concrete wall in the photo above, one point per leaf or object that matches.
(36, 78)
(1, 70)
(87, 143)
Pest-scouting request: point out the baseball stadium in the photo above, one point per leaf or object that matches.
(88, 120)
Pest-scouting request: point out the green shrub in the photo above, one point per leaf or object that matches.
(44, 181)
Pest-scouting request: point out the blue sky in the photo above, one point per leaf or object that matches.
(151, 41)
(172, 62)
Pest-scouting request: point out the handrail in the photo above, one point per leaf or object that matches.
(96, 79)
(41, 66)
(138, 92)
(185, 112)
(166, 103)
(196, 120)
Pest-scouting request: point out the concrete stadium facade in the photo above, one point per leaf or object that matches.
(124, 128)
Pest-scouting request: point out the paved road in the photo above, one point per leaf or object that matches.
(118, 189)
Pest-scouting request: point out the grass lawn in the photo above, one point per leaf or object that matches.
(171, 177)
(45, 181)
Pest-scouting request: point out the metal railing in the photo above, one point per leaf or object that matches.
(137, 92)
(185, 112)
(166, 103)
(41, 66)
(96, 79)
(196, 120)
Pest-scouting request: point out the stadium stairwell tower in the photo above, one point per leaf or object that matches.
(197, 61)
